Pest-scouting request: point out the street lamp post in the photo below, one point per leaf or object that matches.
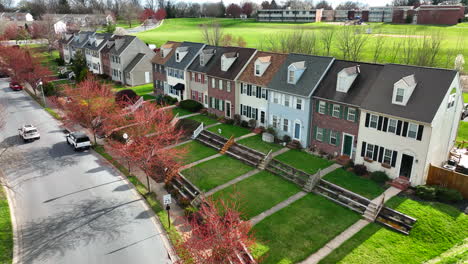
(43, 95)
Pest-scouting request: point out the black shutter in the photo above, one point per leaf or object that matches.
(363, 149)
(367, 119)
(394, 158)
(256, 113)
(381, 152)
(266, 94)
(398, 129)
(242, 109)
(379, 125)
(376, 152)
(259, 92)
(385, 124)
(405, 129)
(420, 132)
(242, 85)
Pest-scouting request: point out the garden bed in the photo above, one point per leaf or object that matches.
(303, 161)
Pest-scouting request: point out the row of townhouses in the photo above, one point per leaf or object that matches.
(392, 118)
(126, 59)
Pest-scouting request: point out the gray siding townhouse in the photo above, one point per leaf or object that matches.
(291, 89)
(130, 61)
(93, 51)
(176, 69)
(197, 72)
(65, 49)
(79, 41)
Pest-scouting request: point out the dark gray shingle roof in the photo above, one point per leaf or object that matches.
(193, 49)
(134, 62)
(126, 42)
(316, 66)
(103, 36)
(196, 67)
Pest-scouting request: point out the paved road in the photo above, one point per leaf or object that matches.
(70, 207)
(141, 28)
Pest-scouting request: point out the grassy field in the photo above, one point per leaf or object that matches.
(303, 161)
(258, 193)
(212, 173)
(255, 33)
(196, 151)
(439, 228)
(229, 130)
(124, 24)
(203, 118)
(144, 90)
(293, 233)
(354, 183)
(6, 231)
(257, 143)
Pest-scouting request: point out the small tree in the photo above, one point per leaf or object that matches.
(160, 14)
(326, 38)
(147, 14)
(212, 34)
(79, 66)
(11, 31)
(247, 8)
(233, 10)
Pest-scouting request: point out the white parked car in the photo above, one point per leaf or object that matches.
(28, 132)
(78, 140)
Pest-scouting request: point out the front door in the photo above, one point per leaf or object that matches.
(406, 165)
(297, 131)
(228, 109)
(347, 145)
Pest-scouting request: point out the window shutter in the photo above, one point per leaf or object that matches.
(315, 132)
(385, 124)
(367, 119)
(342, 112)
(326, 135)
(241, 109)
(242, 85)
(363, 149)
(394, 158)
(256, 113)
(405, 129)
(345, 116)
(249, 111)
(420, 132)
(317, 104)
(266, 95)
(398, 129)
(376, 152)
(222, 104)
(379, 124)
(338, 138)
(330, 109)
(356, 118)
(209, 103)
(381, 152)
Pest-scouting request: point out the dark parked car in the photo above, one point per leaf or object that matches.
(465, 111)
(15, 86)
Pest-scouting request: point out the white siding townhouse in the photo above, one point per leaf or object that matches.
(93, 51)
(409, 120)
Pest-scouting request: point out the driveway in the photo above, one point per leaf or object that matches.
(70, 207)
(142, 28)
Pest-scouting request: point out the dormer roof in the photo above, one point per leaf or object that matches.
(191, 48)
(158, 59)
(409, 80)
(275, 60)
(265, 59)
(299, 65)
(211, 54)
(243, 56)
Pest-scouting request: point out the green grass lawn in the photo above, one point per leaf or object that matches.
(439, 228)
(258, 193)
(255, 35)
(124, 24)
(295, 232)
(257, 143)
(215, 172)
(203, 118)
(303, 161)
(354, 183)
(144, 90)
(6, 230)
(465, 97)
(229, 130)
(196, 151)
(180, 111)
(462, 131)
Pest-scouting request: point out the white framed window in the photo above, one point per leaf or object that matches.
(399, 95)
(202, 60)
(319, 135)
(287, 100)
(285, 125)
(228, 86)
(336, 111)
(351, 114)
(369, 151)
(373, 121)
(276, 98)
(322, 107)
(213, 83)
(264, 94)
(220, 83)
(299, 103)
(392, 126)
(243, 88)
(333, 137)
(257, 70)
(291, 76)
(275, 121)
(387, 157)
(412, 130)
(177, 57)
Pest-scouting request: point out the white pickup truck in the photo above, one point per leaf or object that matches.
(28, 132)
(78, 140)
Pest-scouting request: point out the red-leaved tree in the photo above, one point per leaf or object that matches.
(233, 10)
(147, 14)
(160, 14)
(11, 31)
(247, 8)
(218, 235)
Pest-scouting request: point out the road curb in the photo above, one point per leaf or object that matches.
(14, 225)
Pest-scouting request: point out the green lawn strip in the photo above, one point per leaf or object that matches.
(6, 230)
(303, 161)
(195, 151)
(258, 193)
(438, 228)
(124, 24)
(53, 113)
(257, 143)
(354, 183)
(462, 131)
(465, 97)
(180, 111)
(229, 130)
(209, 174)
(297, 231)
(147, 97)
(203, 119)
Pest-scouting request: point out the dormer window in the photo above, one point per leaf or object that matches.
(291, 76)
(202, 60)
(403, 89)
(400, 95)
(261, 65)
(346, 78)
(180, 53)
(177, 57)
(228, 59)
(257, 70)
(295, 71)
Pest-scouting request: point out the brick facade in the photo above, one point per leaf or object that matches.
(224, 95)
(159, 77)
(331, 123)
(440, 16)
(105, 57)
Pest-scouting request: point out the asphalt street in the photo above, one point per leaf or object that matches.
(70, 207)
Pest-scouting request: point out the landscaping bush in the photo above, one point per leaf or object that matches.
(271, 130)
(252, 123)
(286, 138)
(237, 120)
(379, 177)
(60, 61)
(126, 97)
(349, 164)
(165, 99)
(49, 89)
(229, 121)
(184, 202)
(190, 105)
(448, 195)
(244, 124)
(426, 192)
(360, 169)
(189, 211)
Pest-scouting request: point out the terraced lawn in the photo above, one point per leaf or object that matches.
(196, 151)
(303, 161)
(6, 230)
(203, 118)
(144, 90)
(257, 143)
(438, 228)
(295, 232)
(258, 193)
(212, 173)
(180, 111)
(354, 183)
(229, 130)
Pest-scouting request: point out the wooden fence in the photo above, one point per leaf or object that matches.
(449, 179)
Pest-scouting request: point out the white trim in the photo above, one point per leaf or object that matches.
(343, 141)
